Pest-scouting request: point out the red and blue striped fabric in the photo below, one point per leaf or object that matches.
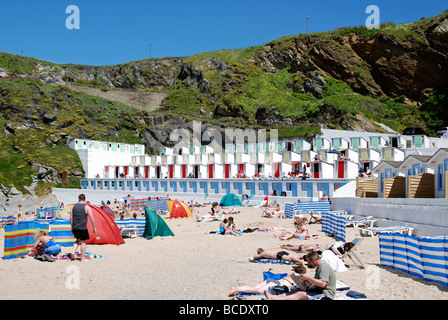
(19, 238)
(60, 230)
(7, 220)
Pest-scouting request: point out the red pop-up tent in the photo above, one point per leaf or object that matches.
(107, 231)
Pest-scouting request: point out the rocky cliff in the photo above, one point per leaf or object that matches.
(352, 78)
(407, 62)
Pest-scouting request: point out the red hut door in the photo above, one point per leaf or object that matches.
(341, 169)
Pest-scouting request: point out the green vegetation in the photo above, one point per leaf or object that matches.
(229, 56)
(16, 64)
(51, 113)
(275, 91)
(38, 119)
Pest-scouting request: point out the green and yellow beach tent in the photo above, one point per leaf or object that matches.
(155, 225)
(230, 200)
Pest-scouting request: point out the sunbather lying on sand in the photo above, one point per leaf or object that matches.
(338, 247)
(301, 247)
(275, 254)
(292, 281)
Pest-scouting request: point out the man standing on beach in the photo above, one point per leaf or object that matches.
(78, 221)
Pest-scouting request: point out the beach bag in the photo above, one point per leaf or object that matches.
(276, 290)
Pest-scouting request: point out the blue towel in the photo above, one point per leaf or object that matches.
(274, 261)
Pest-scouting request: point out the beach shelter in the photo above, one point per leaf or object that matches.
(107, 231)
(179, 209)
(108, 211)
(230, 200)
(155, 226)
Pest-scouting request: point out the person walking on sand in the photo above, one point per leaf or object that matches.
(78, 220)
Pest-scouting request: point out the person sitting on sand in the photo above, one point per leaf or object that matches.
(291, 281)
(324, 282)
(223, 229)
(339, 248)
(301, 231)
(275, 254)
(51, 247)
(276, 213)
(231, 225)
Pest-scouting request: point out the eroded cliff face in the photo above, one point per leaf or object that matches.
(378, 65)
(407, 63)
(145, 74)
(411, 64)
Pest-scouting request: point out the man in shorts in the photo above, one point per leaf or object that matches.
(78, 220)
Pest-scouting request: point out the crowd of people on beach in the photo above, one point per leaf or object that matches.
(297, 285)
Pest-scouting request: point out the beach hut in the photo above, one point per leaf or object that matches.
(358, 142)
(391, 182)
(377, 142)
(339, 143)
(230, 200)
(107, 231)
(179, 209)
(215, 171)
(155, 226)
(321, 144)
(439, 161)
(345, 169)
(320, 169)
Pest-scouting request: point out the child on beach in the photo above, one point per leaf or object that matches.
(231, 225)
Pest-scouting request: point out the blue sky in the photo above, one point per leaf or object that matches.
(117, 31)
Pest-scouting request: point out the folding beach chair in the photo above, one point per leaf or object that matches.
(374, 231)
(315, 216)
(130, 231)
(352, 254)
(364, 221)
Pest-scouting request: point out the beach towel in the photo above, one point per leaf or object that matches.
(273, 261)
(340, 286)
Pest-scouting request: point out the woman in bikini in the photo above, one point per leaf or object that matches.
(300, 230)
(224, 229)
(51, 247)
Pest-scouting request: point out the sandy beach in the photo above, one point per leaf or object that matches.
(196, 265)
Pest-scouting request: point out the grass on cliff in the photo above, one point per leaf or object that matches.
(17, 64)
(229, 56)
(25, 105)
(275, 91)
